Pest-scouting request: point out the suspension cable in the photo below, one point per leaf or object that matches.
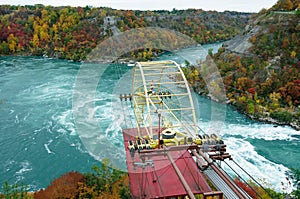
(251, 177)
(241, 178)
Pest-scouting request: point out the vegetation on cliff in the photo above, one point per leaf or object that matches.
(103, 182)
(286, 5)
(260, 67)
(72, 32)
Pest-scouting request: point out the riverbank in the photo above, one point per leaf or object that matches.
(255, 117)
(260, 73)
(268, 120)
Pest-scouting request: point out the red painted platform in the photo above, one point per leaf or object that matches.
(153, 176)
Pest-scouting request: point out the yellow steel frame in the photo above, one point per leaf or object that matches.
(143, 100)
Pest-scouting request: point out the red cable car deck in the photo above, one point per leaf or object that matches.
(152, 175)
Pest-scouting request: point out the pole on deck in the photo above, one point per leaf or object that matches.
(159, 114)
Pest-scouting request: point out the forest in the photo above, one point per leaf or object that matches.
(102, 182)
(262, 81)
(72, 32)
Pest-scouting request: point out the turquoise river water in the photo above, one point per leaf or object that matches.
(39, 140)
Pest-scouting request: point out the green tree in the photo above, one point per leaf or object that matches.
(4, 48)
(210, 52)
(296, 174)
(15, 191)
(251, 108)
(282, 116)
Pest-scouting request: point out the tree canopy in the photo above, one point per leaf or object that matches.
(72, 32)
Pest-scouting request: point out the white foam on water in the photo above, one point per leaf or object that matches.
(270, 173)
(8, 165)
(38, 130)
(108, 116)
(114, 129)
(79, 147)
(25, 167)
(65, 122)
(263, 170)
(26, 116)
(47, 147)
(261, 131)
(106, 140)
(17, 119)
(62, 131)
(106, 112)
(44, 92)
(103, 111)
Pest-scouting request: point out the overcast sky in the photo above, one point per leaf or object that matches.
(219, 5)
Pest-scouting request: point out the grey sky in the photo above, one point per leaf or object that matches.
(219, 5)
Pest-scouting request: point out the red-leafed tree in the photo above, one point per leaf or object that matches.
(246, 188)
(65, 186)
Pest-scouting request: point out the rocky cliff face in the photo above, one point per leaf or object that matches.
(264, 24)
(261, 69)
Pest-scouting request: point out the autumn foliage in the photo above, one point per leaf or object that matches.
(103, 182)
(66, 186)
(263, 80)
(72, 32)
(286, 5)
(248, 189)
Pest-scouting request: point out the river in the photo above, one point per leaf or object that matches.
(39, 139)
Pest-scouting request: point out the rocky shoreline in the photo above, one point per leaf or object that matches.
(270, 120)
(259, 118)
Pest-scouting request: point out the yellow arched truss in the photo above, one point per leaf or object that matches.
(161, 94)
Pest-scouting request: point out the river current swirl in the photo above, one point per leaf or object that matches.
(39, 141)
